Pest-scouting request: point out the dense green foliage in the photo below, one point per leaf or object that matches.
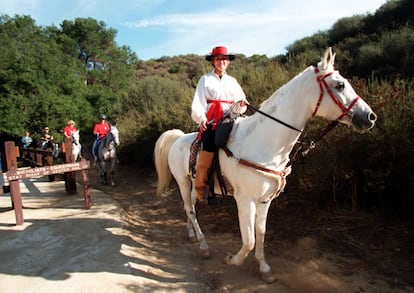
(378, 45)
(44, 77)
(49, 75)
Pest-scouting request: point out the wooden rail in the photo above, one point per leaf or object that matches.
(44, 161)
(37, 158)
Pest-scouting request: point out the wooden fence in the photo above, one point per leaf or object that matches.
(43, 163)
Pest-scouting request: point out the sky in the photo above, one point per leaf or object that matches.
(157, 28)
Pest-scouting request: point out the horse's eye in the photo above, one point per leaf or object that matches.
(340, 85)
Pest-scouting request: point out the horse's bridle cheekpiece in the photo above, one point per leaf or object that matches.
(323, 85)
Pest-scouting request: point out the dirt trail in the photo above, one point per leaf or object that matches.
(307, 251)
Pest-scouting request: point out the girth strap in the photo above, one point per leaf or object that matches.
(244, 162)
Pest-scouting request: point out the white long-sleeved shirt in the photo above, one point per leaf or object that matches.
(212, 87)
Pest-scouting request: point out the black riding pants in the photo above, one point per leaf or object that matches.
(207, 138)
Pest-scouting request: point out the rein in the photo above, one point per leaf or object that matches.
(322, 86)
(274, 118)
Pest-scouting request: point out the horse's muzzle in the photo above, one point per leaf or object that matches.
(363, 121)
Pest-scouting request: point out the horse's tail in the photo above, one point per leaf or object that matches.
(161, 150)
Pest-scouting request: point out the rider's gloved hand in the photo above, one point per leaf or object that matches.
(244, 103)
(203, 125)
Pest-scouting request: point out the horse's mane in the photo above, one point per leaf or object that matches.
(324, 66)
(279, 94)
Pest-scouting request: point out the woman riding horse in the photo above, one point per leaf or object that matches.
(216, 92)
(255, 162)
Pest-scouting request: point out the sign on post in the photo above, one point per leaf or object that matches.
(47, 170)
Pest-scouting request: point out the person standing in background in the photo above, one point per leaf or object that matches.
(26, 140)
(46, 139)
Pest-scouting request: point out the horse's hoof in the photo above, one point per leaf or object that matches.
(227, 259)
(192, 239)
(205, 253)
(268, 277)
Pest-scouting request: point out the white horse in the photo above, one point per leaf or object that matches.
(257, 168)
(107, 155)
(76, 146)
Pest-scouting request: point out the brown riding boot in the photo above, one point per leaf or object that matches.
(203, 167)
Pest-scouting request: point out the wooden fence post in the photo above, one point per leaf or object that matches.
(86, 193)
(1, 174)
(70, 177)
(14, 184)
(49, 162)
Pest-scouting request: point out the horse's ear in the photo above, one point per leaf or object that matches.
(333, 59)
(327, 60)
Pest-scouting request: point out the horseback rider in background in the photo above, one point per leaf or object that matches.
(100, 130)
(69, 129)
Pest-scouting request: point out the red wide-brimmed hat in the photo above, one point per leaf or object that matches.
(220, 50)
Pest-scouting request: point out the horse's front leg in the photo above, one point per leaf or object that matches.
(247, 210)
(113, 162)
(102, 167)
(112, 179)
(261, 218)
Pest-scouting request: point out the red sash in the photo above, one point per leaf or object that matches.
(214, 113)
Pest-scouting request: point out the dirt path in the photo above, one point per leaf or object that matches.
(309, 252)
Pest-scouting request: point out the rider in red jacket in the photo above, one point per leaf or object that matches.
(100, 129)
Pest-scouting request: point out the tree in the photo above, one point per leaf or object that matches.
(44, 77)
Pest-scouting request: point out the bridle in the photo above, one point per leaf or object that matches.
(110, 142)
(323, 86)
(74, 140)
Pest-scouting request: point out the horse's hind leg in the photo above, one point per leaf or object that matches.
(192, 222)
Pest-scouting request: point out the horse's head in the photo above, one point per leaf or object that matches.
(75, 137)
(114, 134)
(338, 100)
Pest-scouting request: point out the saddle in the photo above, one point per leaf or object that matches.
(222, 134)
